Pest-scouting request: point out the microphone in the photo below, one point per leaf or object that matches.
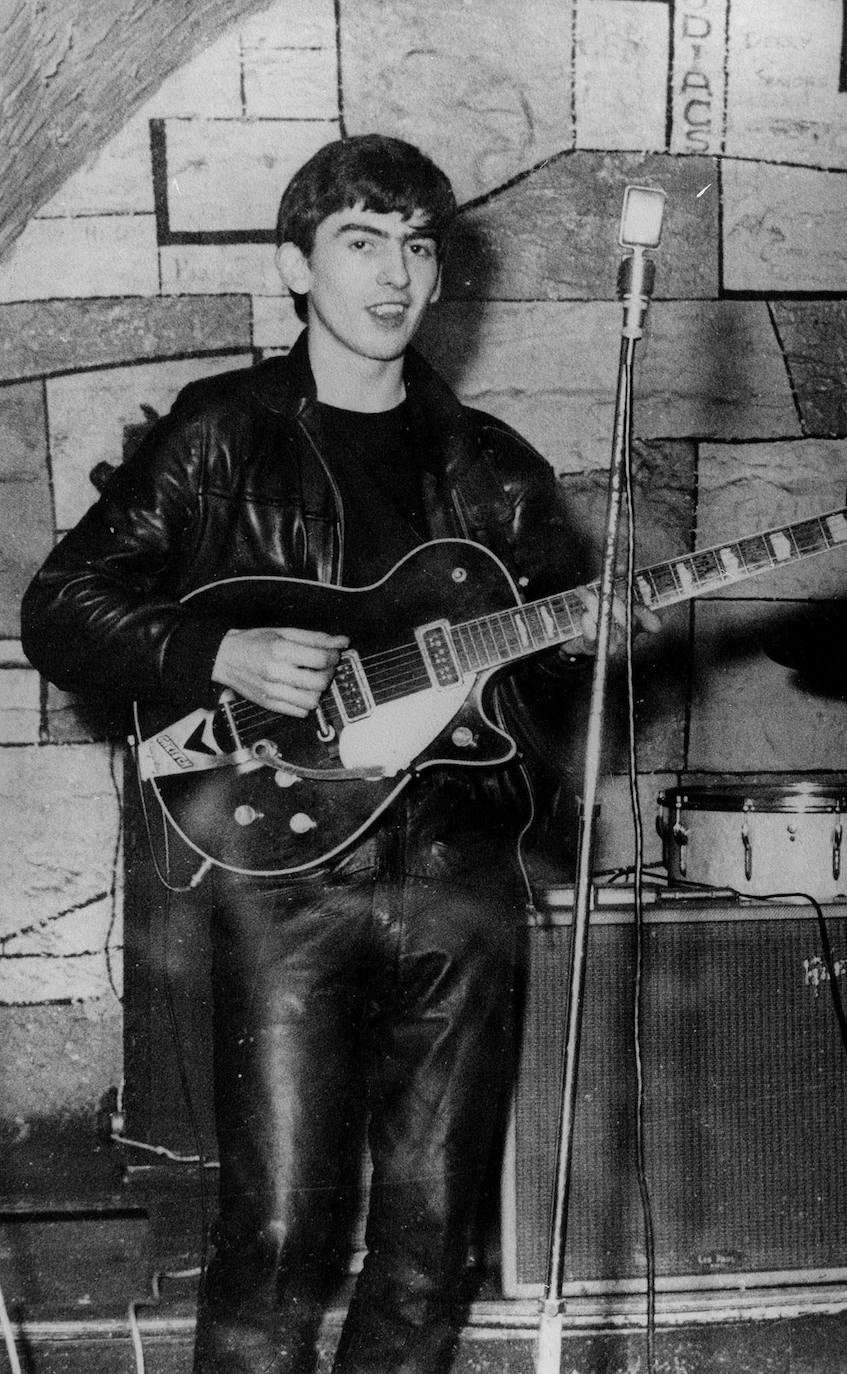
(641, 227)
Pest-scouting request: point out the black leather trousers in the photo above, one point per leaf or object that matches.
(378, 990)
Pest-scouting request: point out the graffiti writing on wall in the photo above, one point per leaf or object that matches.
(698, 83)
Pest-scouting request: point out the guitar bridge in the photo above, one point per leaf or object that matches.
(436, 646)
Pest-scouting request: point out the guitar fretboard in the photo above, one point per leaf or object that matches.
(507, 635)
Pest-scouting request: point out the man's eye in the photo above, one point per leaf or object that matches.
(423, 250)
(360, 244)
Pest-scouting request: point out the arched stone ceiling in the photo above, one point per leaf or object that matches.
(71, 74)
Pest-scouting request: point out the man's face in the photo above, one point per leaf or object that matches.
(369, 279)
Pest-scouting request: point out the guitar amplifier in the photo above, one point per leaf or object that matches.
(745, 1101)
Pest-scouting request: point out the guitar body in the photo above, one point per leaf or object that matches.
(272, 795)
(326, 783)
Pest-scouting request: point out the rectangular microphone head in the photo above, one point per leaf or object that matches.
(641, 218)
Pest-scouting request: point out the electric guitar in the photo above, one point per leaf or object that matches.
(272, 795)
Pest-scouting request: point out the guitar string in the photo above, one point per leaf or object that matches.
(704, 567)
(398, 670)
(387, 670)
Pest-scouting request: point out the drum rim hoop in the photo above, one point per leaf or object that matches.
(798, 798)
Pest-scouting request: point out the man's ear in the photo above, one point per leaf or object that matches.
(293, 268)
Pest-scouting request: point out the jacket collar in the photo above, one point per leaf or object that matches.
(286, 386)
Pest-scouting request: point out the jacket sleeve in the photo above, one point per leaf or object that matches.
(103, 614)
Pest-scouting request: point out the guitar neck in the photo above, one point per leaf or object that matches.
(497, 639)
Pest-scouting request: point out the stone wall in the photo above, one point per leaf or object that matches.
(152, 264)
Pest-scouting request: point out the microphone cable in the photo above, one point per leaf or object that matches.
(638, 905)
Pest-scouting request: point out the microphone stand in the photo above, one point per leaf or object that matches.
(635, 282)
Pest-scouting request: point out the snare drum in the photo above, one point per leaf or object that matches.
(755, 838)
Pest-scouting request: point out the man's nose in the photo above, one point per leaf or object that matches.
(393, 270)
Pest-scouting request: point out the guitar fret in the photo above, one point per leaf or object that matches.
(487, 636)
(836, 526)
(499, 636)
(810, 537)
(565, 619)
(468, 656)
(669, 580)
(479, 644)
(533, 622)
(781, 545)
(510, 633)
(707, 569)
(755, 553)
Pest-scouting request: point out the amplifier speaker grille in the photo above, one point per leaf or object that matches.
(745, 1100)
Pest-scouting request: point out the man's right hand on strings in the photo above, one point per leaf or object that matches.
(285, 670)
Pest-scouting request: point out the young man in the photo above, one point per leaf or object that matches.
(380, 980)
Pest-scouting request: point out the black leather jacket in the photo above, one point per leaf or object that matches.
(232, 483)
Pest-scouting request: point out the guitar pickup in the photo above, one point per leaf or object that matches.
(350, 688)
(436, 646)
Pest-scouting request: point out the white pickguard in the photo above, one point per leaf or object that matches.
(394, 734)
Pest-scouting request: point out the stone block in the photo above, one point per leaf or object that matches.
(547, 369)
(483, 87)
(664, 483)
(290, 23)
(116, 180)
(628, 41)
(26, 510)
(749, 714)
(707, 369)
(226, 267)
(20, 706)
(30, 979)
(712, 370)
(100, 255)
(553, 235)
(91, 415)
(291, 83)
(61, 811)
(783, 97)
(41, 337)
(275, 323)
(229, 175)
(59, 1059)
(12, 654)
(698, 78)
(748, 488)
(209, 85)
(814, 341)
(784, 228)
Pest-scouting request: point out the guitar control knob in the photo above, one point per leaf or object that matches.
(283, 778)
(246, 815)
(301, 824)
(463, 737)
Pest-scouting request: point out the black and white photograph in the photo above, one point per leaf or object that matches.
(423, 701)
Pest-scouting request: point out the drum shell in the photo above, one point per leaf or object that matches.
(755, 839)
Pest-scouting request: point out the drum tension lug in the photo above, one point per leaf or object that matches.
(836, 849)
(680, 834)
(747, 842)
